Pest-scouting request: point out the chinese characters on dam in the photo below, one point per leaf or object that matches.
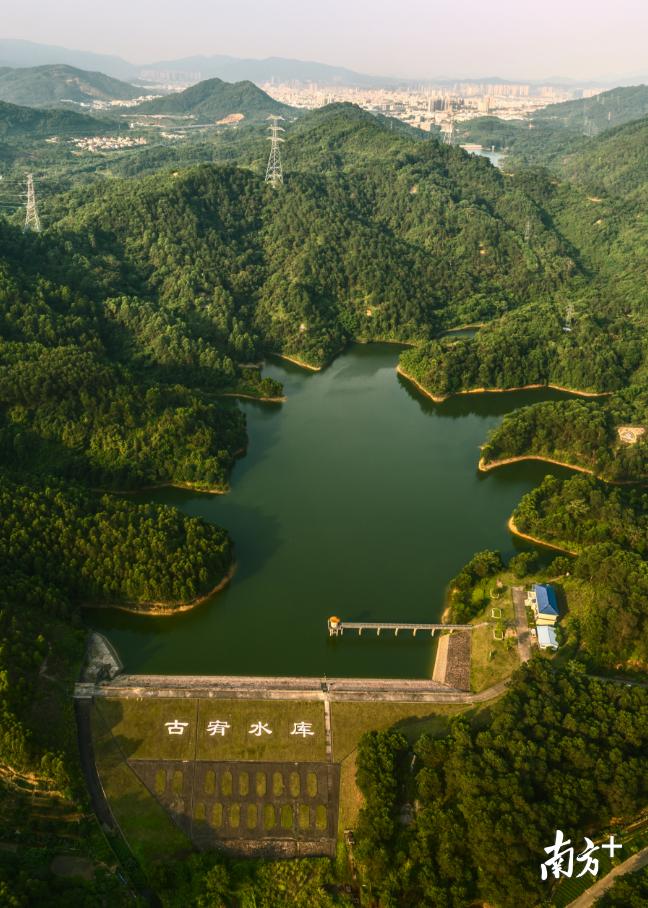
(220, 727)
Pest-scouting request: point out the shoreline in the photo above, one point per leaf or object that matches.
(297, 362)
(440, 398)
(494, 464)
(536, 387)
(186, 486)
(164, 609)
(435, 397)
(382, 340)
(534, 539)
(265, 400)
(484, 467)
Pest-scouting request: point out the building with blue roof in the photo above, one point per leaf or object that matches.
(542, 599)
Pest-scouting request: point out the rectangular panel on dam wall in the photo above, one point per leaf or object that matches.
(249, 807)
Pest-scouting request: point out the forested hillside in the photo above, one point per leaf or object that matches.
(603, 111)
(613, 164)
(365, 248)
(21, 123)
(583, 433)
(214, 99)
(533, 142)
(49, 85)
(558, 751)
(591, 338)
(528, 347)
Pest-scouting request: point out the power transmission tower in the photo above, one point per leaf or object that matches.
(32, 221)
(528, 230)
(569, 317)
(450, 135)
(274, 172)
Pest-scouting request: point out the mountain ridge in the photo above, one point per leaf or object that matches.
(216, 98)
(18, 121)
(52, 84)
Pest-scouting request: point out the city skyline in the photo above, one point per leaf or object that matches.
(416, 40)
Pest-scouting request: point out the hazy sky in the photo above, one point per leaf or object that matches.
(418, 38)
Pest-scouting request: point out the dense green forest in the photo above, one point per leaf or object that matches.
(582, 511)
(558, 751)
(394, 256)
(103, 549)
(19, 123)
(578, 432)
(528, 347)
(605, 171)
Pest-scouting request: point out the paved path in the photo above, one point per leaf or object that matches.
(86, 755)
(222, 687)
(327, 724)
(632, 864)
(521, 624)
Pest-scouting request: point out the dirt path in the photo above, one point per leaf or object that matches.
(631, 865)
(521, 624)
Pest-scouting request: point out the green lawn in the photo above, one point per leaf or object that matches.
(139, 727)
(493, 660)
(349, 721)
(151, 834)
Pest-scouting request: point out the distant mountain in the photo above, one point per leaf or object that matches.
(235, 69)
(604, 111)
(15, 53)
(17, 122)
(214, 99)
(49, 86)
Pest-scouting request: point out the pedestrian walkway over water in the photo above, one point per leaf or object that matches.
(337, 627)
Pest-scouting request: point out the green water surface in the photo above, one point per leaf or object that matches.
(358, 497)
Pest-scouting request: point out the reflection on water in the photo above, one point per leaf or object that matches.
(358, 497)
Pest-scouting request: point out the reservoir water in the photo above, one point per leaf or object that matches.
(358, 497)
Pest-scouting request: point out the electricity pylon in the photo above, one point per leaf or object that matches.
(32, 221)
(569, 317)
(274, 173)
(450, 136)
(528, 230)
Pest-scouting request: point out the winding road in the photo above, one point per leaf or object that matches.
(631, 865)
